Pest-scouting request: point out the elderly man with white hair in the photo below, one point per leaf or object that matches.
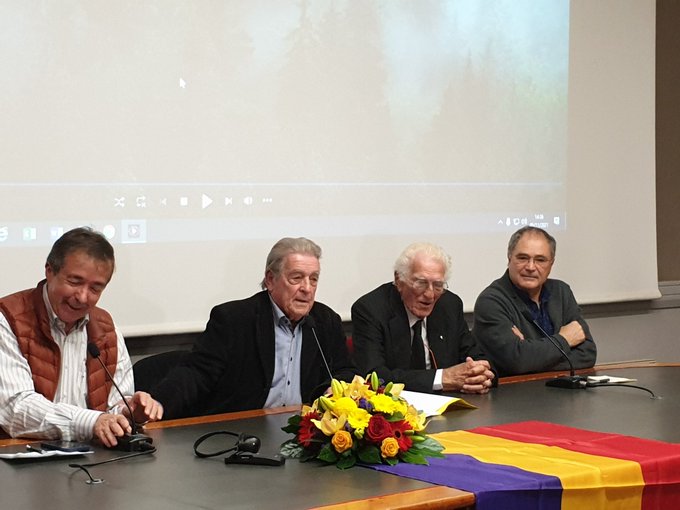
(412, 330)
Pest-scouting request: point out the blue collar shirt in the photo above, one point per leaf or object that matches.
(285, 388)
(539, 312)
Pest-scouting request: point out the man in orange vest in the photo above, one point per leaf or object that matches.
(49, 386)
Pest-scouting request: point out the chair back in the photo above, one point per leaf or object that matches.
(151, 370)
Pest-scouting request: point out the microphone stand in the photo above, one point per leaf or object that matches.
(136, 441)
(311, 324)
(569, 382)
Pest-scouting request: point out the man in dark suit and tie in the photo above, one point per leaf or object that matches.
(413, 331)
(262, 351)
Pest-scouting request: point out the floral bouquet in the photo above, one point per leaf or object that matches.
(362, 421)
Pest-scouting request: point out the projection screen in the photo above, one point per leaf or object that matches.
(196, 134)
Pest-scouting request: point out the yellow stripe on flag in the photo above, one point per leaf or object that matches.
(588, 481)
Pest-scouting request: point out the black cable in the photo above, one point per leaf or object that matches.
(619, 385)
(122, 457)
(91, 480)
(150, 450)
(198, 442)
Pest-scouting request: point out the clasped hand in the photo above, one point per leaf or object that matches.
(468, 377)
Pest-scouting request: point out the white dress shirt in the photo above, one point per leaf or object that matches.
(24, 412)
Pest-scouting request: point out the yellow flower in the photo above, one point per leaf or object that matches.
(396, 389)
(389, 447)
(342, 440)
(306, 409)
(358, 389)
(344, 405)
(386, 404)
(329, 425)
(324, 404)
(358, 420)
(401, 406)
(415, 419)
(338, 388)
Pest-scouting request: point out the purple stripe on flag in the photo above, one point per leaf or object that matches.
(494, 485)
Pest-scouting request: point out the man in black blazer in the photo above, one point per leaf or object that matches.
(262, 351)
(413, 331)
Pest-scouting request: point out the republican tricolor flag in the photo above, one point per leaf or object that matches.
(537, 465)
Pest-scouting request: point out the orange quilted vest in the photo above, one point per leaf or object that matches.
(27, 316)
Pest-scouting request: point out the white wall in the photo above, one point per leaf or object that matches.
(637, 331)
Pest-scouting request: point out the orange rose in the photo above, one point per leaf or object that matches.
(342, 441)
(389, 447)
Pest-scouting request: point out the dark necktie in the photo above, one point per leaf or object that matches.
(417, 348)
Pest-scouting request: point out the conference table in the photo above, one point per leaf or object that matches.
(174, 478)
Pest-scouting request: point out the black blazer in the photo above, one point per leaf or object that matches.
(382, 337)
(231, 365)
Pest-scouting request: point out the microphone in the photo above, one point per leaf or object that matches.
(572, 381)
(129, 442)
(311, 323)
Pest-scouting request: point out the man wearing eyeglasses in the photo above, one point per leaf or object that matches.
(516, 344)
(412, 330)
(273, 349)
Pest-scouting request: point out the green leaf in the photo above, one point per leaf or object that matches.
(426, 453)
(393, 461)
(427, 449)
(328, 454)
(433, 443)
(428, 444)
(395, 417)
(369, 455)
(291, 449)
(307, 456)
(346, 462)
(293, 424)
(413, 457)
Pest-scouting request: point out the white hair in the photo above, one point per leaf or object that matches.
(404, 263)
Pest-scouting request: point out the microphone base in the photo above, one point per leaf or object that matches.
(569, 382)
(134, 443)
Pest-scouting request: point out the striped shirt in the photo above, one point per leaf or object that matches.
(24, 412)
